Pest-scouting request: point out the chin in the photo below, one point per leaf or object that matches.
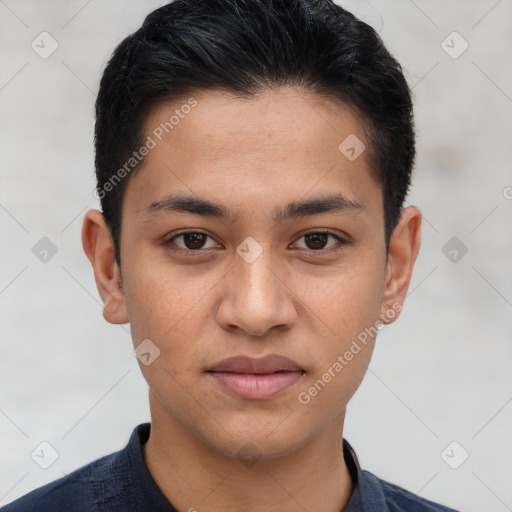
(262, 436)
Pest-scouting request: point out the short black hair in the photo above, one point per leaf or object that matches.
(246, 47)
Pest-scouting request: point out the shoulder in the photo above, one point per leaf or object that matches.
(398, 499)
(75, 492)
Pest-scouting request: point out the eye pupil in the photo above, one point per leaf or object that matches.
(194, 240)
(317, 238)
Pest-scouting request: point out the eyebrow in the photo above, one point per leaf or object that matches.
(175, 203)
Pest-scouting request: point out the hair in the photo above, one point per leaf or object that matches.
(246, 47)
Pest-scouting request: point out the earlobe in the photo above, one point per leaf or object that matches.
(99, 248)
(403, 250)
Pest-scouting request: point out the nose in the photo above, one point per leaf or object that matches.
(257, 297)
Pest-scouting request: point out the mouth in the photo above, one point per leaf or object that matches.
(256, 379)
(271, 363)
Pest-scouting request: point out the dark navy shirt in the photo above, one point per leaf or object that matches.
(121, 482)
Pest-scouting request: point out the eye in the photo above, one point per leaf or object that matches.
(194, 241)
(316, 241)
(191, 241)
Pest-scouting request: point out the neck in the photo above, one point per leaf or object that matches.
(194, 476)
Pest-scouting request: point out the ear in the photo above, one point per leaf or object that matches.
(99, 248)
(403, 249)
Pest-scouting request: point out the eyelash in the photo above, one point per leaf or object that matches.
(194, 252)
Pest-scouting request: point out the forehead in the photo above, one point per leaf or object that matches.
(283, 119)
(284, 142)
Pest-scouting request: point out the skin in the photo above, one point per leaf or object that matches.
(299, 298)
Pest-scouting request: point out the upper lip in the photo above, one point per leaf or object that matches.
(245, 364)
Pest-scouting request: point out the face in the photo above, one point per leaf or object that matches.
(287, 257)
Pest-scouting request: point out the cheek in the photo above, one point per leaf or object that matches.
(347, 308)
(170, 309)
(327, 392)
(161, 301)
(347, 301)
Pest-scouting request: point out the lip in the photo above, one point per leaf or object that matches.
(256, 379)
(245, 364)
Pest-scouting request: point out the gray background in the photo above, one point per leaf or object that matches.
(442, 373)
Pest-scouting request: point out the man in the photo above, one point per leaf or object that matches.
(252, 158)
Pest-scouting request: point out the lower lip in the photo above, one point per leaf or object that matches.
(256, 386)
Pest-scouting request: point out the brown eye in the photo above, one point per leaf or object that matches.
(317, 241)
(194, 240)
(191, 241)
